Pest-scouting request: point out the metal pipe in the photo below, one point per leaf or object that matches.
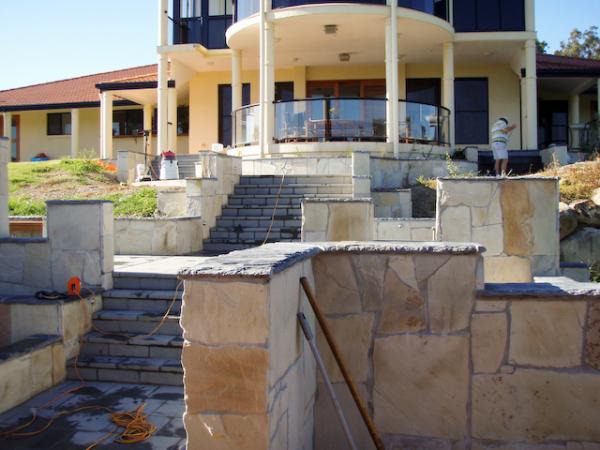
(338, 409)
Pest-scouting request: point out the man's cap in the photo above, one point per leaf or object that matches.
(504, 119)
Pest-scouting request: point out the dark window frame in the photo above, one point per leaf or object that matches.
(64, 120)
(474, 11)
(485, 133)
(127, 125)
(436, 85)
(225, 125)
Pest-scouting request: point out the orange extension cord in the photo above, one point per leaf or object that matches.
(135, 424)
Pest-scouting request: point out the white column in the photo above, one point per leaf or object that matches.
(5, 148)
(236, 91)
(523, 130)
(388, 82)
(172, 119)
(448, 87)
(74, 133)
(574, 119)
(148, 110)
(163, 68)
(7, 126)
(531, 93)
(267, 79)
(530, 15)
(392, 71)
(106, 150)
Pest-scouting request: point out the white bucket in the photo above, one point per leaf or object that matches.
(140, 171)
(169, 170)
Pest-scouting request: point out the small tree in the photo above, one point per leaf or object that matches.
(581, 44)
(541, 46)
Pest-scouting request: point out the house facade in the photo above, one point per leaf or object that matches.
(288, 77)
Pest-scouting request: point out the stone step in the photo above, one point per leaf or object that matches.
(152, 282)
(250, 242)
(255, 234)
(262, 180)
(303, 189)
(213, 248)
(122, 369)
(138, 322)
(258, 211)
(132, 345)
(254, 221)
(140, 300)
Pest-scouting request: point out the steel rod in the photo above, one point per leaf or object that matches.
(338, 358)
(336, 404)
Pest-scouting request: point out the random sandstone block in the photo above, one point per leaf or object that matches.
(488, 341)
(336, 286)
(592, 342)
(421, 385)
(547, 334)
(226, 432)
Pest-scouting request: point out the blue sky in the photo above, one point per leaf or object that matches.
(49, 40)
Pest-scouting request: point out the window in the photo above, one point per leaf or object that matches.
(129, 122)
(471, 110)
(220, 7)
(489, 15)
(191, 8)
(59, 124)
(424, 90)
(183, 120)
(225, 116)
(284, 91)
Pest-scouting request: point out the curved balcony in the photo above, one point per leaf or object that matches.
(438, 8)
(344, 119)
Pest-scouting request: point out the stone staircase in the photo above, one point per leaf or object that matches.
(119, 349)
(245, 221)
(185, 163)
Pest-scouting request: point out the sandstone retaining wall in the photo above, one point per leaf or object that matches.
(516, 219)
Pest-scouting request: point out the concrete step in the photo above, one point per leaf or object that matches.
(132, 345)
(142, 300)
(303, 189)
(122, 369)
(135, 322)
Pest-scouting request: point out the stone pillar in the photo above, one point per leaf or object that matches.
(106, 132)
(4, 159)
(148, 111)
(448, 87)
(172, 119)
(361, 175)
(74, 132)
(574, 119)
(82, 247)
(236, 92)
(250, 378)
(163, 67)
(531, 94)
(530, 15)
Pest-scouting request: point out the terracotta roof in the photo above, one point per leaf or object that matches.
(566, 65)
(73, 91)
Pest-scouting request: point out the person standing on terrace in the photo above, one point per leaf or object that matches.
(500, 136)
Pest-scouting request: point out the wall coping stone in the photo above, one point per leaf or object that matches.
(387, 190)
(222, 155)
(18, 218)
(504, 179)
(158, 219)
(30, 300)
(201, 179)
(551, 288)
(337, 200)
(27, 345)
(23, 240)
(405, 219)
(268, 260)
(76, 202)
(573, 265)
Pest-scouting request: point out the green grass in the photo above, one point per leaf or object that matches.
(31, 184)
(142, 203)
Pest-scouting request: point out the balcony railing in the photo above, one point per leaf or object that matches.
(438, 8)
(344, 120)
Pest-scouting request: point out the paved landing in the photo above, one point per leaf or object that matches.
(159, 265)
(164, 405)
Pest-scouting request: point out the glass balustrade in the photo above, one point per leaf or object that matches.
(423, 123)
(246, 122)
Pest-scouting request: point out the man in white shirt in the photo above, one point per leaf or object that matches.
(500, 137)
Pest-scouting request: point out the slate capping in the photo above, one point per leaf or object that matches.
(27, 345)
(554, 288)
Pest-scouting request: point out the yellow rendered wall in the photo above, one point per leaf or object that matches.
(504, 91)
(34, 138)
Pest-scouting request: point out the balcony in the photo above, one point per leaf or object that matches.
(438, 8)
(344, 120)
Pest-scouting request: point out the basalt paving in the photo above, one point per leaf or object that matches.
(163, 404)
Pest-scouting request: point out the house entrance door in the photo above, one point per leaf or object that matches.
(15, 153)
